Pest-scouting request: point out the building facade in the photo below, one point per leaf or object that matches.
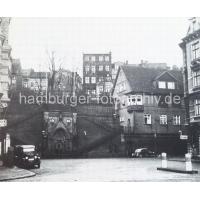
(97, 74)
(190, 46)
(35, 81)
(65, 82)
(5, 81)
(5, 59)
(148, 114)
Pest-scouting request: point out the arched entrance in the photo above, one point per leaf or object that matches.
(62, 142)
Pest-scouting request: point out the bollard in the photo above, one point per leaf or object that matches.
(188, 162)
(164, 160)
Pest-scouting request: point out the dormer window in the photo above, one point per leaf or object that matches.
(166, 85)
(162, 84)
(171, 85)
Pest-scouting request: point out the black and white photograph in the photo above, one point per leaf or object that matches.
(99, 99)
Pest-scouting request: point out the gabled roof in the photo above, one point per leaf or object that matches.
(143, 79)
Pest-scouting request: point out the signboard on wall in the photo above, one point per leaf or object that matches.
(3, 122)
(183, 137)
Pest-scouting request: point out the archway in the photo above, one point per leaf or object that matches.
(62, 142)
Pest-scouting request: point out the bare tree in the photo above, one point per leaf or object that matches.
(54, 65)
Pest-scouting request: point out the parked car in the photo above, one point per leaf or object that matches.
(143, 152)
(25, 156)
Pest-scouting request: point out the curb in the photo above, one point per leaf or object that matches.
(177, 170)
(31, 174)
(182, 160)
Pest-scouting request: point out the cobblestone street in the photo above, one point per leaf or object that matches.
(115, 169)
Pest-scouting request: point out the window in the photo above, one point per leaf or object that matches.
(107, 58)
(88, 92)
(171, 85)
(93, 69)
(87, 79)
(92, 58)
(100, 67)
(100, 58)
(100, 89)
(162, 84)
(122, 87)
(108, 86)
(101, 79)
(195, 50)
(4, 85)
(197, 107)
(25, 85)
(135, 100)
(87, 58)
(196, 79)
(163, 119)
(123, 102)
(108, 78)
(147, 119)
(176, 120)
(87, 68)
(121, 119)
(93, 80)
(107, 68)
(93, 91)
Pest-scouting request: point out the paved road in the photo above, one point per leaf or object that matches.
(114, 169)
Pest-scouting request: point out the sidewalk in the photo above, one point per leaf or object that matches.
(14, 173)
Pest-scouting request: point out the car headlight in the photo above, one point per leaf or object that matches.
(35, 157)
(26, 158)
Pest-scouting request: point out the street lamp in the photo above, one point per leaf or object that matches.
(155, 142)
(44, 140)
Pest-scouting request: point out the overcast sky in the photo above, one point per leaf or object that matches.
(132, 39)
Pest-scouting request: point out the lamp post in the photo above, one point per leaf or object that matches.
(155, 142)
(44, 141)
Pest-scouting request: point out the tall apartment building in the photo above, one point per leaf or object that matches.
(190, 46)
(97, 74)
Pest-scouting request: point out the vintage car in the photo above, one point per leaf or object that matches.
(25, 156)
(143, 152)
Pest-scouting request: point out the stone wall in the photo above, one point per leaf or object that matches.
(98, 132)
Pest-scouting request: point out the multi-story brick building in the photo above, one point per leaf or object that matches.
(147, 108)
(97, 74)
(190, 46)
